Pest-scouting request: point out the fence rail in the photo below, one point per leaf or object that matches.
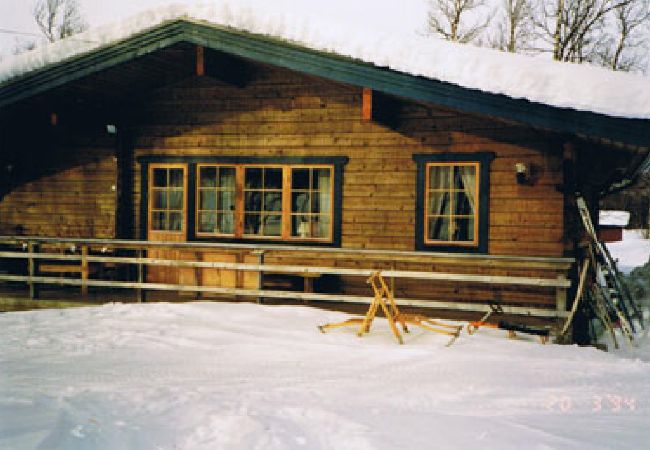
(36, 252)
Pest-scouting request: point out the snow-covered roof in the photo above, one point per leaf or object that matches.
(580, 87)
(613, 218)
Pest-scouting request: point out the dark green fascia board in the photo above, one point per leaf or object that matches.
(59, 74)
(280, 53)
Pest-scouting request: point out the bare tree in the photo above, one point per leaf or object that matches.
(576, 29)
(22, 46)
(515, 29)
(630, 51)
(58, 19)
(446, 18)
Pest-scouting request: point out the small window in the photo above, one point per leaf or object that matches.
(216, 200)
(167, 199)
(452, 202)
(451, 205)
(263, 201)
(311, 203)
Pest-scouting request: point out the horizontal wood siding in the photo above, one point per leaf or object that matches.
(67, 191)
(281, 113)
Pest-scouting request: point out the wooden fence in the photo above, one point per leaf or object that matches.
(77, 256)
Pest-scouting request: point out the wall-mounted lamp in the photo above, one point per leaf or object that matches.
(111, 129)
(523, 173)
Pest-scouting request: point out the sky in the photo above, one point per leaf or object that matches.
(16, 15)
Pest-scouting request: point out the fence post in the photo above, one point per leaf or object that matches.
(260, 274)
(139, 291)
(84, 270)
(560, 297)
(32, 270)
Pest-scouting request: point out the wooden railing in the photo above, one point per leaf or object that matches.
(47, 253)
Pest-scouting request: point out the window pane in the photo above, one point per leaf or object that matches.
(321, 227)
(253, 178)
(272, 225)
(324, 202)
(176, 199)
(273, 201)
(439, 177)
(227, 178)
(273, 178)
(176, 177)
(300, 202)
(300, 179)
(253, 201)
(252, 223)
(464, 203)
(439, 203)
(208, 176)
(463, 230)
(160, 199)
(207, 222)
(160, 177)
(175, 221)
(226, 200)
(321, 179)
(315, 204)
(225, 223)
(158, 220)
(465, 177)
(208, 199)
(300, 226)
(438, 229)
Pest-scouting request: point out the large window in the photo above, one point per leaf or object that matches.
(452, 201)
(277, 202)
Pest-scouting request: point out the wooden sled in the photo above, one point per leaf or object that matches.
(511, 328)
(384, 299)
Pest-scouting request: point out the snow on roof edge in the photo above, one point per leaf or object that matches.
(562, 85)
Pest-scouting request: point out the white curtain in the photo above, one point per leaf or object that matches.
(324, 202)
(468, 175)
(227, 183)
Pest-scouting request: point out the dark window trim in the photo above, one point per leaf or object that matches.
(336, 161)
(484, 159)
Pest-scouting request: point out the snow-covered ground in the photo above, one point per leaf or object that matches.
(633, 251)
(245, 376)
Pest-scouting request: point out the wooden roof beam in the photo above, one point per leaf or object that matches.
(200, 60)
(366, 105)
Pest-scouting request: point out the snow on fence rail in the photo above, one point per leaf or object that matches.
(32, 253)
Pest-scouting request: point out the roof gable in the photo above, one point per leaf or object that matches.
(281, 53)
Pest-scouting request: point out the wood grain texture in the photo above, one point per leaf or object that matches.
(282, 113)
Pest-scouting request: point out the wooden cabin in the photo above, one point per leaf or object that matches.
(195, 142)
(611, 224)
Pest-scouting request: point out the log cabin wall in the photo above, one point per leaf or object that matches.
(283, 113)
(62, 183)
(286, 114)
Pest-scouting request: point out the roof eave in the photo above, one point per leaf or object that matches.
(335, 67)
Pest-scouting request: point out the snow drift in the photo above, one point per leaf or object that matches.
(245, 376)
